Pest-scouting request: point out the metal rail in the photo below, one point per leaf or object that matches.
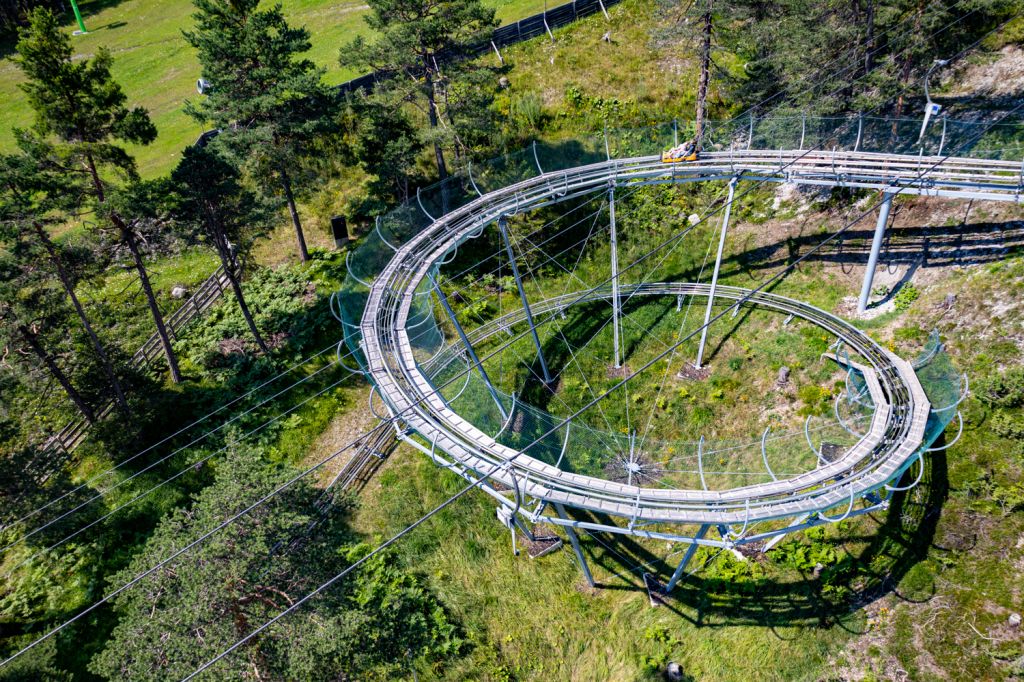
(898, 426)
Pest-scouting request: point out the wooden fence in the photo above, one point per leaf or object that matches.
(61, 444)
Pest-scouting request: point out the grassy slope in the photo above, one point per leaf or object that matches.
(918, 583)
(158, 69)
(910, 569)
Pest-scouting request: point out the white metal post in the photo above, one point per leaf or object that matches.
(876, 247)
(690, 551)
(503, 228)
(714, 275)
(615, 276)
(469, 347)
(571, 532)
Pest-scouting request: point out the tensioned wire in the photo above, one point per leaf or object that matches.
(872, 53)
(227, 404)
(152, 465)
(635, 263)
(496, 467)
(183, 429)
(624, 317)
(848, 124)
(161, 484)
(188, 427)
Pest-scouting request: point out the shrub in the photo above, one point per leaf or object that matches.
(906, 296)
(1005, 389)
(1008, 424)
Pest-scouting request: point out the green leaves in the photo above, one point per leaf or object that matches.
(375, 622)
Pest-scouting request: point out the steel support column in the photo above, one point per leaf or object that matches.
(615, 276)
(575, 541)
(503, 228)
(469, 347)
(876, 247)
(714, 275)
(690, 551)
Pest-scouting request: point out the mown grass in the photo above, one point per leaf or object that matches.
(158, 70)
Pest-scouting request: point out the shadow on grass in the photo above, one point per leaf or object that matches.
(900, 538)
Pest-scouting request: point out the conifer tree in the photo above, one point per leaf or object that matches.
(268, 101)
(371, 625)
(80, 104)
(415, 38)
(210, 200)
(35, 193)
(31, 312)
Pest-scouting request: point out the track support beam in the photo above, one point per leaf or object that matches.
(469, 347)
(876, 247)
(575, 541)
(503, 228)
(714, 275)
(684, 562)
(615, 277)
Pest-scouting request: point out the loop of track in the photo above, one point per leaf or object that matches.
(892, 443)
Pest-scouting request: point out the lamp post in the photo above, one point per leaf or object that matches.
(78, 16)
(930, 107)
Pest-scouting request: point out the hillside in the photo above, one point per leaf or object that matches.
(259, 490)
(159, 70)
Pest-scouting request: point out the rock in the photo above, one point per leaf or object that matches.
(948, 302)
(179, 291)
(674, 671)
(1014, 620)
(504, 83)
(783, 376)
(693, 219)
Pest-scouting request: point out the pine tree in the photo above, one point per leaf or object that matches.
(211, 201)
(31, 314)
(415, 38)
(370, 625)
(36, 192)
(269, 102)
(83, 107)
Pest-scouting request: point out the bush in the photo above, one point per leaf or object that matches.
(1008, 424)
(1005, 389)
(284, 306)
(906, 296)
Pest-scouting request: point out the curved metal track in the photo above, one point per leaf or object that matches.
(893, 442)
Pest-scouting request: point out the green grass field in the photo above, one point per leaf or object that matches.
(158, 69)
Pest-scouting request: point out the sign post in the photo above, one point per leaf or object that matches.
(78, 16)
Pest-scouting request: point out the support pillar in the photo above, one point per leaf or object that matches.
(615, 276)
(690, 551)
(575, 541)
(469, 347)
(503, 228)
(714, 275)
(876, 247)
(778, 538)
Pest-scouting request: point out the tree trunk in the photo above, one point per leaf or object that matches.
(869, 20)
(33, 342)
(228, 261)
(705, 74)
(286, 184)
(158, 318)
(95, 175)
(65, 280)
(442, 170)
